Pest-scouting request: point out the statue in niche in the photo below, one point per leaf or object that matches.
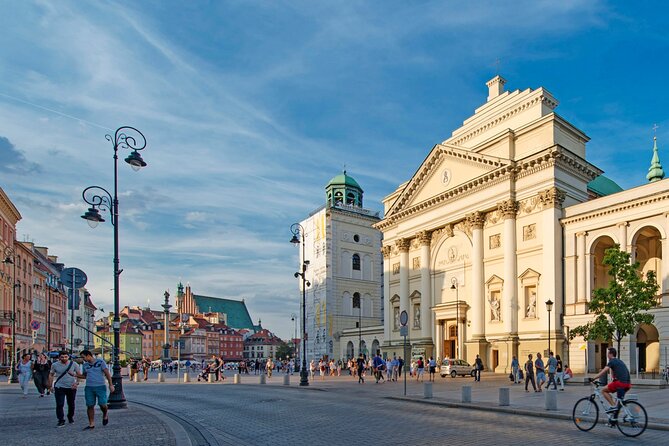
(495, 311)
(416, 316)
(532, 305)
(397, 318)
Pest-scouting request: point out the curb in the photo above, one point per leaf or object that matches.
(180, 435)
(510, 411)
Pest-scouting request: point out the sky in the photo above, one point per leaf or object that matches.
(249, 108)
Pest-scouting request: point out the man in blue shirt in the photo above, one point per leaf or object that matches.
(95, 372)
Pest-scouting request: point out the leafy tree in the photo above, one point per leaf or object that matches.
(624, 304)
(284, 351)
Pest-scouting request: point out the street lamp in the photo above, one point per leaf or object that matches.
(293, 318)
(297, 229)
(549, 307)
(99, 198)
(455, 286)
(10, 259)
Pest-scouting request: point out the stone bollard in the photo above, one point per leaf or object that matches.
(504, 396)
(210, 378)
(135, 378)
(263, 378)
(161, 377)
(236, 379)
(427, 390)
(186, 377)
(286, 380)
(551, 399)
(466, 394)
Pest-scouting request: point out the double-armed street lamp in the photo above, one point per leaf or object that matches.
(10, 259)
(298, 230)
(99, 198)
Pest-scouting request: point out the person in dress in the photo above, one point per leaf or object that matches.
(41, 369)
(25, 370)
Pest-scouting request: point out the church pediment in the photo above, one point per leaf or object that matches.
(446, 168)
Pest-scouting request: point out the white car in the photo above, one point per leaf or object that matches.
(455, 367)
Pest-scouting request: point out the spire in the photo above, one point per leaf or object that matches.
(655, 172)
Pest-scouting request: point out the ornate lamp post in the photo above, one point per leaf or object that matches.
(293, 318)
(549, 307)
(297, 229)
(455, 286)
(99, 198)
(10, 259)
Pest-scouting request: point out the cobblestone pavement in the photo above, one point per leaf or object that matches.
(32, 421)
(339, 409)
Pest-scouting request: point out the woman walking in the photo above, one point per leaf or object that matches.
(25, 369)
(41, 370)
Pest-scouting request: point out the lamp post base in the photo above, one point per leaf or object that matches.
(304, 376)
(117, 398)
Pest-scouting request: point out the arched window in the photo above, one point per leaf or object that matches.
(356, 302)
(350, 198)
(339, 197)
(356, 262)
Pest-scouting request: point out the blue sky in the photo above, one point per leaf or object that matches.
(250, 107)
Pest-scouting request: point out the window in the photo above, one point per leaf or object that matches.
(356, 238)
(350, 198)
(356, 262)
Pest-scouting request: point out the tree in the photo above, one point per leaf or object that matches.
(624, 304)
(284, 351)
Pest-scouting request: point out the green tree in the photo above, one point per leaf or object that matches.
(624, 304)
(284, 351)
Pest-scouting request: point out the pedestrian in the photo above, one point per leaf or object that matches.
(420, 368)
(360, 364)
(389, 370)
(541, 371)
(41, 369)
(552, 370)
(64, 386)
(96, 372)
(560, 372)
(478, 366)
(399, 368)
(432, 364)
(134, 369)
(514, 369)
(529, 373)
(395, 364)
(25, 371)
(146, 365)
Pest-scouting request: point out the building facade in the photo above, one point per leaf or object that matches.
(344, 271)
(500, 218)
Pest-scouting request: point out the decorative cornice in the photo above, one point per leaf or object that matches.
(475, 220)
(425, 237)
(552, 197)
(508, 208)
(403, 244)
(616, 208)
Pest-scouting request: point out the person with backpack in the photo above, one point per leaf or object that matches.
(64, 386)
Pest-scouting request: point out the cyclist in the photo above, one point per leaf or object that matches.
(621, 378)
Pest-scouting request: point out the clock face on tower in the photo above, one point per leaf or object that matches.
(446, 177)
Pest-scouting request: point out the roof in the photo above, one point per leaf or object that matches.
(237, 314)
(343, 180)
(604, 186)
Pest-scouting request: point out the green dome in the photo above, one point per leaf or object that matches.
(603, 186)
(343, 180)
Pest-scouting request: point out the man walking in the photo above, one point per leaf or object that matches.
(478, 366)
(95, 371)
(361, 369)
(64, 386)
(552, 369)
(541, 372)
(529, 373)
(514, 369)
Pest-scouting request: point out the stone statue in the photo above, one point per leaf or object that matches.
(495, 308)
(416, 317)
(532, 306)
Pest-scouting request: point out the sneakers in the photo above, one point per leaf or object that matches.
(61, 423)
(70, 420)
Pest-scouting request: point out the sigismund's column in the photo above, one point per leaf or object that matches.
(425, 237)
(387, 308)
(403, 247)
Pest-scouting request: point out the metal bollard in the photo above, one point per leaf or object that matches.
(186, 377)
(286, 380)
(263, 378)
(551, 400)
(466, 394)
(427, 390)
(161, 377)
(236, 379)
(504, 396)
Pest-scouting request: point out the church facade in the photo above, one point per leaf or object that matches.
(502, 218)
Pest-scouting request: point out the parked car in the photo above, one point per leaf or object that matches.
(455, 367)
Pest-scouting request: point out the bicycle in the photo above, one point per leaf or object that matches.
(628, 415)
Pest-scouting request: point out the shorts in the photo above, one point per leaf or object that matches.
(541, 376)
(93, 393)
(420, 372)
(620, 388)
(432, 369)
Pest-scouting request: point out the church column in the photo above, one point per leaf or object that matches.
(403, 247)
(622, 235)
(551, 283)
(427, 319)
(665, 259)
(387, 307)
(509, 302)
(580, 267)
(475, 220)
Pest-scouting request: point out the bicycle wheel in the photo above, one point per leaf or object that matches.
(632, 419)
(585, 414)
